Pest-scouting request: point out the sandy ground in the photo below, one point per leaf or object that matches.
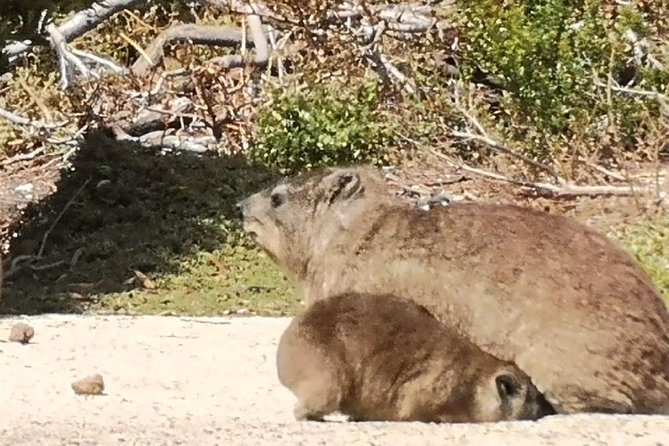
(213, 381)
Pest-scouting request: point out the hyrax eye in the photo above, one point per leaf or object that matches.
(276, 200)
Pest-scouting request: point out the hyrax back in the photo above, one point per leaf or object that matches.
(383, 358)
(566, 305)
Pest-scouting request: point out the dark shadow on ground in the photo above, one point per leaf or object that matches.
(131, 209)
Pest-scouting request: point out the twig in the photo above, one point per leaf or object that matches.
(502, 148)
(35, 98)
(371, 52)
(605, 171)
(20, 120)
(48, 265)
(483, 137)
(65, 58)
(23, 156)
(100, 61)
(634, 91)
(14, 264)
(383, 63)
(60, 215)
(544, 189)
(137, 48)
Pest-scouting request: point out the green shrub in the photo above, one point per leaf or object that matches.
(324, 125)
(549, 56)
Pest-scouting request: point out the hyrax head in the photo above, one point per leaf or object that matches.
(287, 217)
(509, 394)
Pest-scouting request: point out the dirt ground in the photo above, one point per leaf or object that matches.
(22, 183)
(196, 381)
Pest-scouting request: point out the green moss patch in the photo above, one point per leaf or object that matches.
(648, 242)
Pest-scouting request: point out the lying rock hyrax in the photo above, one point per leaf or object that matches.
(571, 309)
(382, 358)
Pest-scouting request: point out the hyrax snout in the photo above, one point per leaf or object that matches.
(384, 358)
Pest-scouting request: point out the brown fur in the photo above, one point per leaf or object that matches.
(382, 358)
(570, 308)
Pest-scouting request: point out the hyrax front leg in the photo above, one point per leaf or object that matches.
(317, 395)
(303, 413)
(309, 374)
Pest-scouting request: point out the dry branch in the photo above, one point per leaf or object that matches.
(58, 218)
(367, 23)
(406, 19)
(20, 120)
(80, 23)
(39, 130)
(22, 157)
(496, 145)
(203, 35)
(70, 60)
(564, 190)
(482, 136)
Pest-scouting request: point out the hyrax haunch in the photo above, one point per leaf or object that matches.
(571, 309)
(382, 358)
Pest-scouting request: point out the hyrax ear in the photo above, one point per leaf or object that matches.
(507, 386)
(342, 184)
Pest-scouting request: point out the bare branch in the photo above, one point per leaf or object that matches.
(390, 70)
(207, 35)
(162, 141)
(483, 137)
(80, 23)
(495, 145)
(99, 60)
(20, 120)
(543, 189)
(40, 131)
(603, 170)
(633, 91)
(22, 157)
(196, 34)
(65, 58)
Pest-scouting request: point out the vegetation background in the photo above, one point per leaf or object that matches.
(129, 128)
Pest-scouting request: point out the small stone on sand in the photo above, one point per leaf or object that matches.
(90, 385)
(22, 333)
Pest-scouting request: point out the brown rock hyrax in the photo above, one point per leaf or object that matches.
(382, 358)
(570, 308)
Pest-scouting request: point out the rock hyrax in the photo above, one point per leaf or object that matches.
(570, 308)
(382, 358)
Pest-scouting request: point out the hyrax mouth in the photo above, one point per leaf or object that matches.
(249, 224)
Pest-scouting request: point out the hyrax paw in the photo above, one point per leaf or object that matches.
(302, 413)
